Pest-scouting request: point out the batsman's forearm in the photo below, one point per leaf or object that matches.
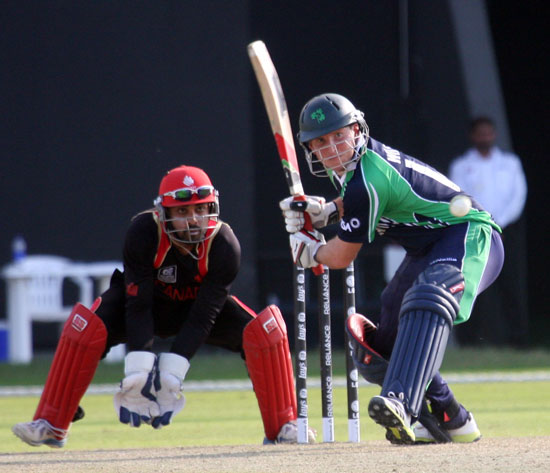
(337, 254)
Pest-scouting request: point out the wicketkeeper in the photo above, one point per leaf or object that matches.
(449, 260)
(180, 260)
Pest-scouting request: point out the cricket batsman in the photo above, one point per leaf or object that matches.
(453, 252)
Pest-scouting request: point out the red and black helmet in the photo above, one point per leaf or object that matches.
(186, 185)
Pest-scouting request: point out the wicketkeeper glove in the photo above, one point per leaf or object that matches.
(304, 246)
(321, 213)
(172, 369)
(136, 402)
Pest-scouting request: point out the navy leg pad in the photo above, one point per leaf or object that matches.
(427, 314)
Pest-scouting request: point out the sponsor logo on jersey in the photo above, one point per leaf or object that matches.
(167, 274)
(353, 224)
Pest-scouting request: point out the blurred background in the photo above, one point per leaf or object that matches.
(101, 98)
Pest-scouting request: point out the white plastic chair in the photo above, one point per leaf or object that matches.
(35, 292)
(101, 272)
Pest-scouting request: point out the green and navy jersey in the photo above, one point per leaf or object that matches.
(400, 197)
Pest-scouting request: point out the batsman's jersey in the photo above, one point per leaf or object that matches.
(400, 197)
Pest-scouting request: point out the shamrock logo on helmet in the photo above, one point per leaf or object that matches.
(318, 115)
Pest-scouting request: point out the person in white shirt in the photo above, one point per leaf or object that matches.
(493, 176)
(496, 179)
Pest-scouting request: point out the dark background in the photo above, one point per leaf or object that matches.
(100, 98)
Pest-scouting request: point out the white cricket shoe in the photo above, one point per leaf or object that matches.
(389, 412)
(289, 434)
(40, 432)
(467, 433)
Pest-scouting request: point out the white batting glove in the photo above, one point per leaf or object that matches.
(304, 246)
(172, 369)
(135, 402)
(321, 213)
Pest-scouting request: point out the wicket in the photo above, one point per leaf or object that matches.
(325, 342)
(300, 352)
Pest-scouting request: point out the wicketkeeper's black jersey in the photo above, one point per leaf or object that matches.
(170, 293)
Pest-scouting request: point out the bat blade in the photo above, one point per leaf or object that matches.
(277, 111)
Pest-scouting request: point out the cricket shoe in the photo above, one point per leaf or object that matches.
(289, 434)
(389, 412)
(466, 433)
(40, 432)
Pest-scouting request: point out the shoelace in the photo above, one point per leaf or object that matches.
(398, 402)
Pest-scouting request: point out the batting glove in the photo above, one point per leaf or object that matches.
(304, 246)
(321, 213)
(172, 369)
(135, 402)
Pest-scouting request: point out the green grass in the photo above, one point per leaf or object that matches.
(220, 365)
(232, 418)
(495, 359)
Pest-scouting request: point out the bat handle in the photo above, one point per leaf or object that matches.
(317, 270)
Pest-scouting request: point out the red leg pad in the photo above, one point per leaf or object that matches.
(78, 352)
(269, 364)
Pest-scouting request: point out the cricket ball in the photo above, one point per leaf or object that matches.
(460, 205)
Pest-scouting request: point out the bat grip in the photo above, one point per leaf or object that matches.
(317, 270)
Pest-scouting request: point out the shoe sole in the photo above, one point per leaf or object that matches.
(424, 440)
(383, 414)
(468, 433)
(457, 439)
(469, 438)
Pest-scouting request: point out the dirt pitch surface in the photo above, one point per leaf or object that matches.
(526, 454)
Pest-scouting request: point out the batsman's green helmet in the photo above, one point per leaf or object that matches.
(325, 113)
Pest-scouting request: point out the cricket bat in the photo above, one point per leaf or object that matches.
(277, 111)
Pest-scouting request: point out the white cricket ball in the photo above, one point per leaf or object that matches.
(460, 205)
